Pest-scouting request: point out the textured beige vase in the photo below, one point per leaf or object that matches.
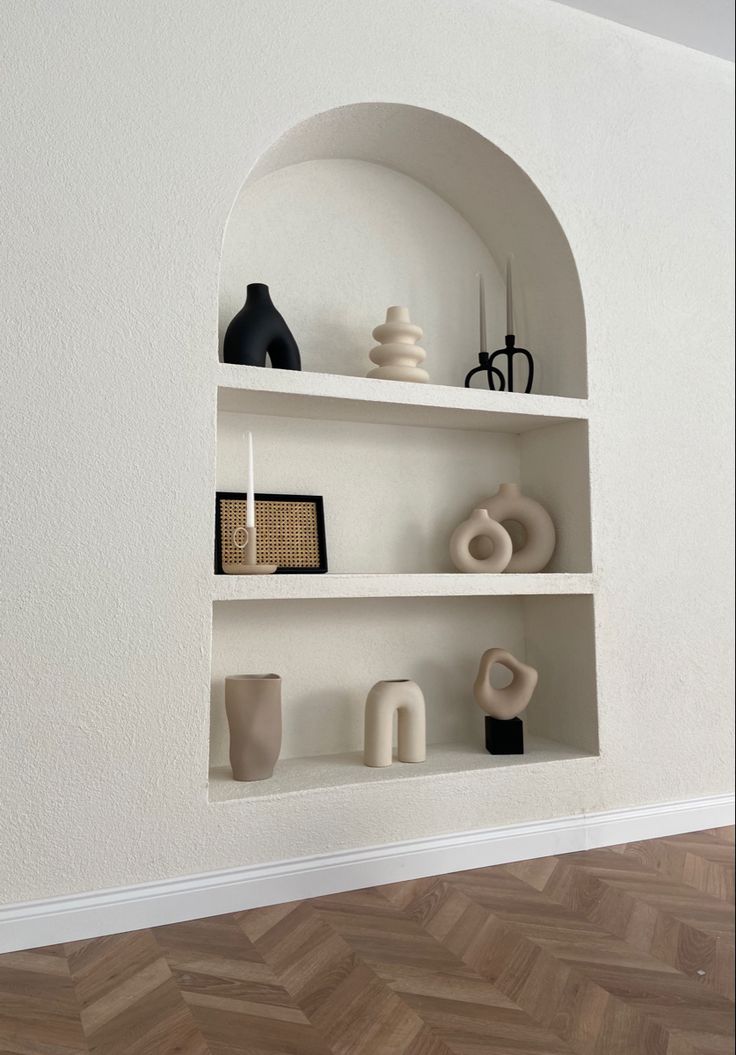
(511, 701)
(480, 525)
(398, 355)
(510, 504)
(385, 698)
(253, 707)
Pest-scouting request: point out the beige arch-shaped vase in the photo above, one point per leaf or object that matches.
(510, 504)
(511, 701)
(386, 697)
(480, 524)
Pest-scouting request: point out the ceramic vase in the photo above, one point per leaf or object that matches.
(480, 525)
(259, 330)
(253, 708)
(386, 697)
(510, 504)
(509, 702)
(398, 355)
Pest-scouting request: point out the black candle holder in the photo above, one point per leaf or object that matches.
(506, 383)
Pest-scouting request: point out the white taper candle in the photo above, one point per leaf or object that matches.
(509, 298)
(482, 301)
(250, 513)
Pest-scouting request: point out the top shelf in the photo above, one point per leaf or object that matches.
(335, 397)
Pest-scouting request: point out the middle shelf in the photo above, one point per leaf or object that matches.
(393, 496)
(450, 584)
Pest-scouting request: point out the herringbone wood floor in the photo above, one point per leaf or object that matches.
(619, 951)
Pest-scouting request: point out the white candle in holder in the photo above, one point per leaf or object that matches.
(509, 298)
(250, 512)
(482, 300)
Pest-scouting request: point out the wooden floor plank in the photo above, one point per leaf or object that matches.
(353, 1008)
(457, 1005)
(128, 1000)
(569, 974)
(701, 861)
(620, 951)
(234, 996)
(691, 931)
(39, 1014)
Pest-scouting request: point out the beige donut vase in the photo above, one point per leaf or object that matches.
(480, 524)
(510, 504)
(504, 703)
(406, 698)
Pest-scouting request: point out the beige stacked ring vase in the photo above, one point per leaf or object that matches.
(253, 708)
(405, 698)
(398, 355)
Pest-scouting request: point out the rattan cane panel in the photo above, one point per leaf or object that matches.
(287, 532)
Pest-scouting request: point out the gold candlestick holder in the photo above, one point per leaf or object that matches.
(245, 540)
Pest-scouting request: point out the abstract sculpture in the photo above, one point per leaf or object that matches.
(504, 728)
(405, 697)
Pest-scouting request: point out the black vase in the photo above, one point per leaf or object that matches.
(259, 330)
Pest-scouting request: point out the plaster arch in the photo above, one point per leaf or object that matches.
(356, 168)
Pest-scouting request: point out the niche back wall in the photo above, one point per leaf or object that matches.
(380, 238)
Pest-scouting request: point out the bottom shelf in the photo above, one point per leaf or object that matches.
(319, 772)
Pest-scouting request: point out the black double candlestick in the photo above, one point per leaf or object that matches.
(495, 374)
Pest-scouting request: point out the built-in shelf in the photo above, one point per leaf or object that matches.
(332, 397)
(317, 773)
(394, 494)
(308, 587)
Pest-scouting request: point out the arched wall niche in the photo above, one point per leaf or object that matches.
(373, 204)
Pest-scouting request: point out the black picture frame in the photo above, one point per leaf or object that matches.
(316, 500)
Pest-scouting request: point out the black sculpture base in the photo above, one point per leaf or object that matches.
(504, 736)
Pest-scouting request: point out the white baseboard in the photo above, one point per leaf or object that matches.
(58, 919)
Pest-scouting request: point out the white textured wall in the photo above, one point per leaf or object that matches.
(127, 131)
